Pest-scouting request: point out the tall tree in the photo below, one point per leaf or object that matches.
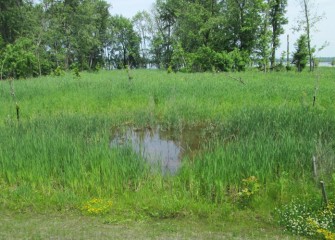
(90, 33)
(76, 31)
(125, 44)
(277, 20)
(38, 34)
(196, 23)
(165, 17)
(263, 42)
(143, 25)
(243, 18)
(13, 20)
(307, 24)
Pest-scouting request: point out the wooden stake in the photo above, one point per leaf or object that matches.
(17, 112)
(314, 168)
(324, 194)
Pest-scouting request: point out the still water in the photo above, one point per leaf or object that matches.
(164, 148)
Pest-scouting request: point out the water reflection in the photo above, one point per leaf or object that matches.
(163, 148)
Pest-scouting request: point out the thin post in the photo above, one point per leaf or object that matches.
(314, 167)
(288, 52)
(324, 194)
(18, 112)
(316, 88)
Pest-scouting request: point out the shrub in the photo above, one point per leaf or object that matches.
(76, 72)
(308, 219)
(169, 70)
(58, 72)
(250, 187)
(206, 59)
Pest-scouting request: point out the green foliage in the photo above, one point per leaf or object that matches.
(224, 62)
(243, 33)
(75, 70)
(309, 220)
(249, 189)
(281, 65)
(307, 24)
(205, 59)
(15, 20)
(19, 60)
(97, 67)
(333, 62)
(59, 71)
(178, 60)
(277, 12)
(240, 59)
(169, 70)
(1, 42)
(126, 42)
(144, 25)
(300, 56)
(176, 33)
(162, 43)
(202, 37)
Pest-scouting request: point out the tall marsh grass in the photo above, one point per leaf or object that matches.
(60, 150)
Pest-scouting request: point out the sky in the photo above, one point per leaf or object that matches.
(325, 28)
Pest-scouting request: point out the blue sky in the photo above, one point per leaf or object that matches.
(326, 29)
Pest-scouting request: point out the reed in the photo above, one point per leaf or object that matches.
(60, 150)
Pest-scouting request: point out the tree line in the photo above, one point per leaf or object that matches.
(38, 37)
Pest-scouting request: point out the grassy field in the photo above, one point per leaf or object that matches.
(73, 226)
(263, 133)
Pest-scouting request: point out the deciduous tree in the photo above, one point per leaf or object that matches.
(307, 23)
(125, 44)
(277, 12)
(143, 25)
(300, 56)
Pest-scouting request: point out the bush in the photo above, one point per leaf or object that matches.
(18, 60)
(223, 62)
(206, 59)
(169, 70)
(58, 72)
(250, 187)
(240, 60)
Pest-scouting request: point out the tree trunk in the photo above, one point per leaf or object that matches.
(288, 52)
(308, 37)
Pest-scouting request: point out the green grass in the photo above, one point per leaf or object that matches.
(58, 155)
(72, 226)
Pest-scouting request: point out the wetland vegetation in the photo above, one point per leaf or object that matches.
(253, 149)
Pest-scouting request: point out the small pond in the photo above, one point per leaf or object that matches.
(163, 147)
